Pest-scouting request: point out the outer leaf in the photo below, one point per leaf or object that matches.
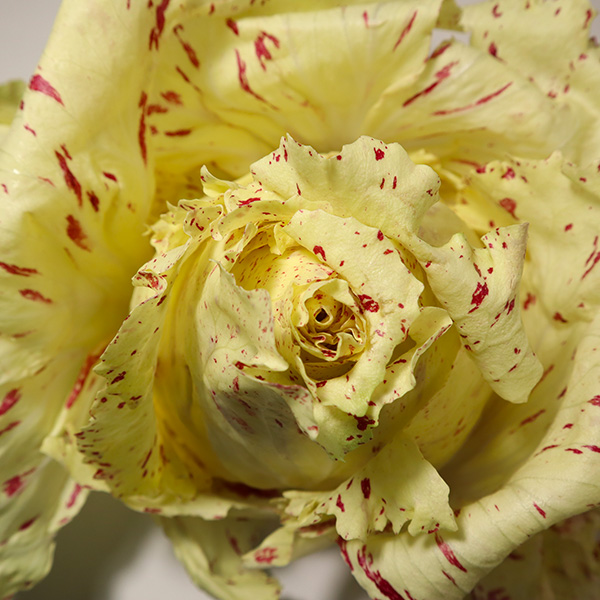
(557, 564)
(566, 71)
(65, 188)
(260, 73)
(466, 105)
(561, 203)
(556, 482)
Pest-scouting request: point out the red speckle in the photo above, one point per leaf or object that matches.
(160, 24)
(591, 256)
(493, 49)
(27, 524)
(9, 427)
(319, 250)
(75, 232)
(30, 129)
(74, 496)
(178, 133)
(568, 227)
(365, 486)
(152, 280)
(109, 176)
(64, 149)
(394, 183)
(146, 459)
(382, 584)
(298, 190)
(530, 299)
(479, 168)
(321, 384)
(191, 53)
(243, 79)
(594, 263)
(533, 417)
(248, 201)
(496, 12)
(448, 553)
(14, 270)
(481, 291)
(510, 174)
(262, 52)
(13, 485)
(380, 235)
(339, 503)
(548, 448)
(342, 544)
(588, 18)
(363, 422)
(440, 76)
(558, 317)
(379, 153)
(368, 303)
(265, 555)
(119, 377)
(476, 103)
(382, 183)
(540, 510)
(595, 401)
(406, 30)
(70, 179)
(449, 577)
(441, 49)
(34, 295)
(39, 84)
(142, 127)
(94, 201)
(573, 450)
(172, 97)
(509, 205)
(90, 361)
(233, 26)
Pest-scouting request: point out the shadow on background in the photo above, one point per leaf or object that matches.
(101, 541)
